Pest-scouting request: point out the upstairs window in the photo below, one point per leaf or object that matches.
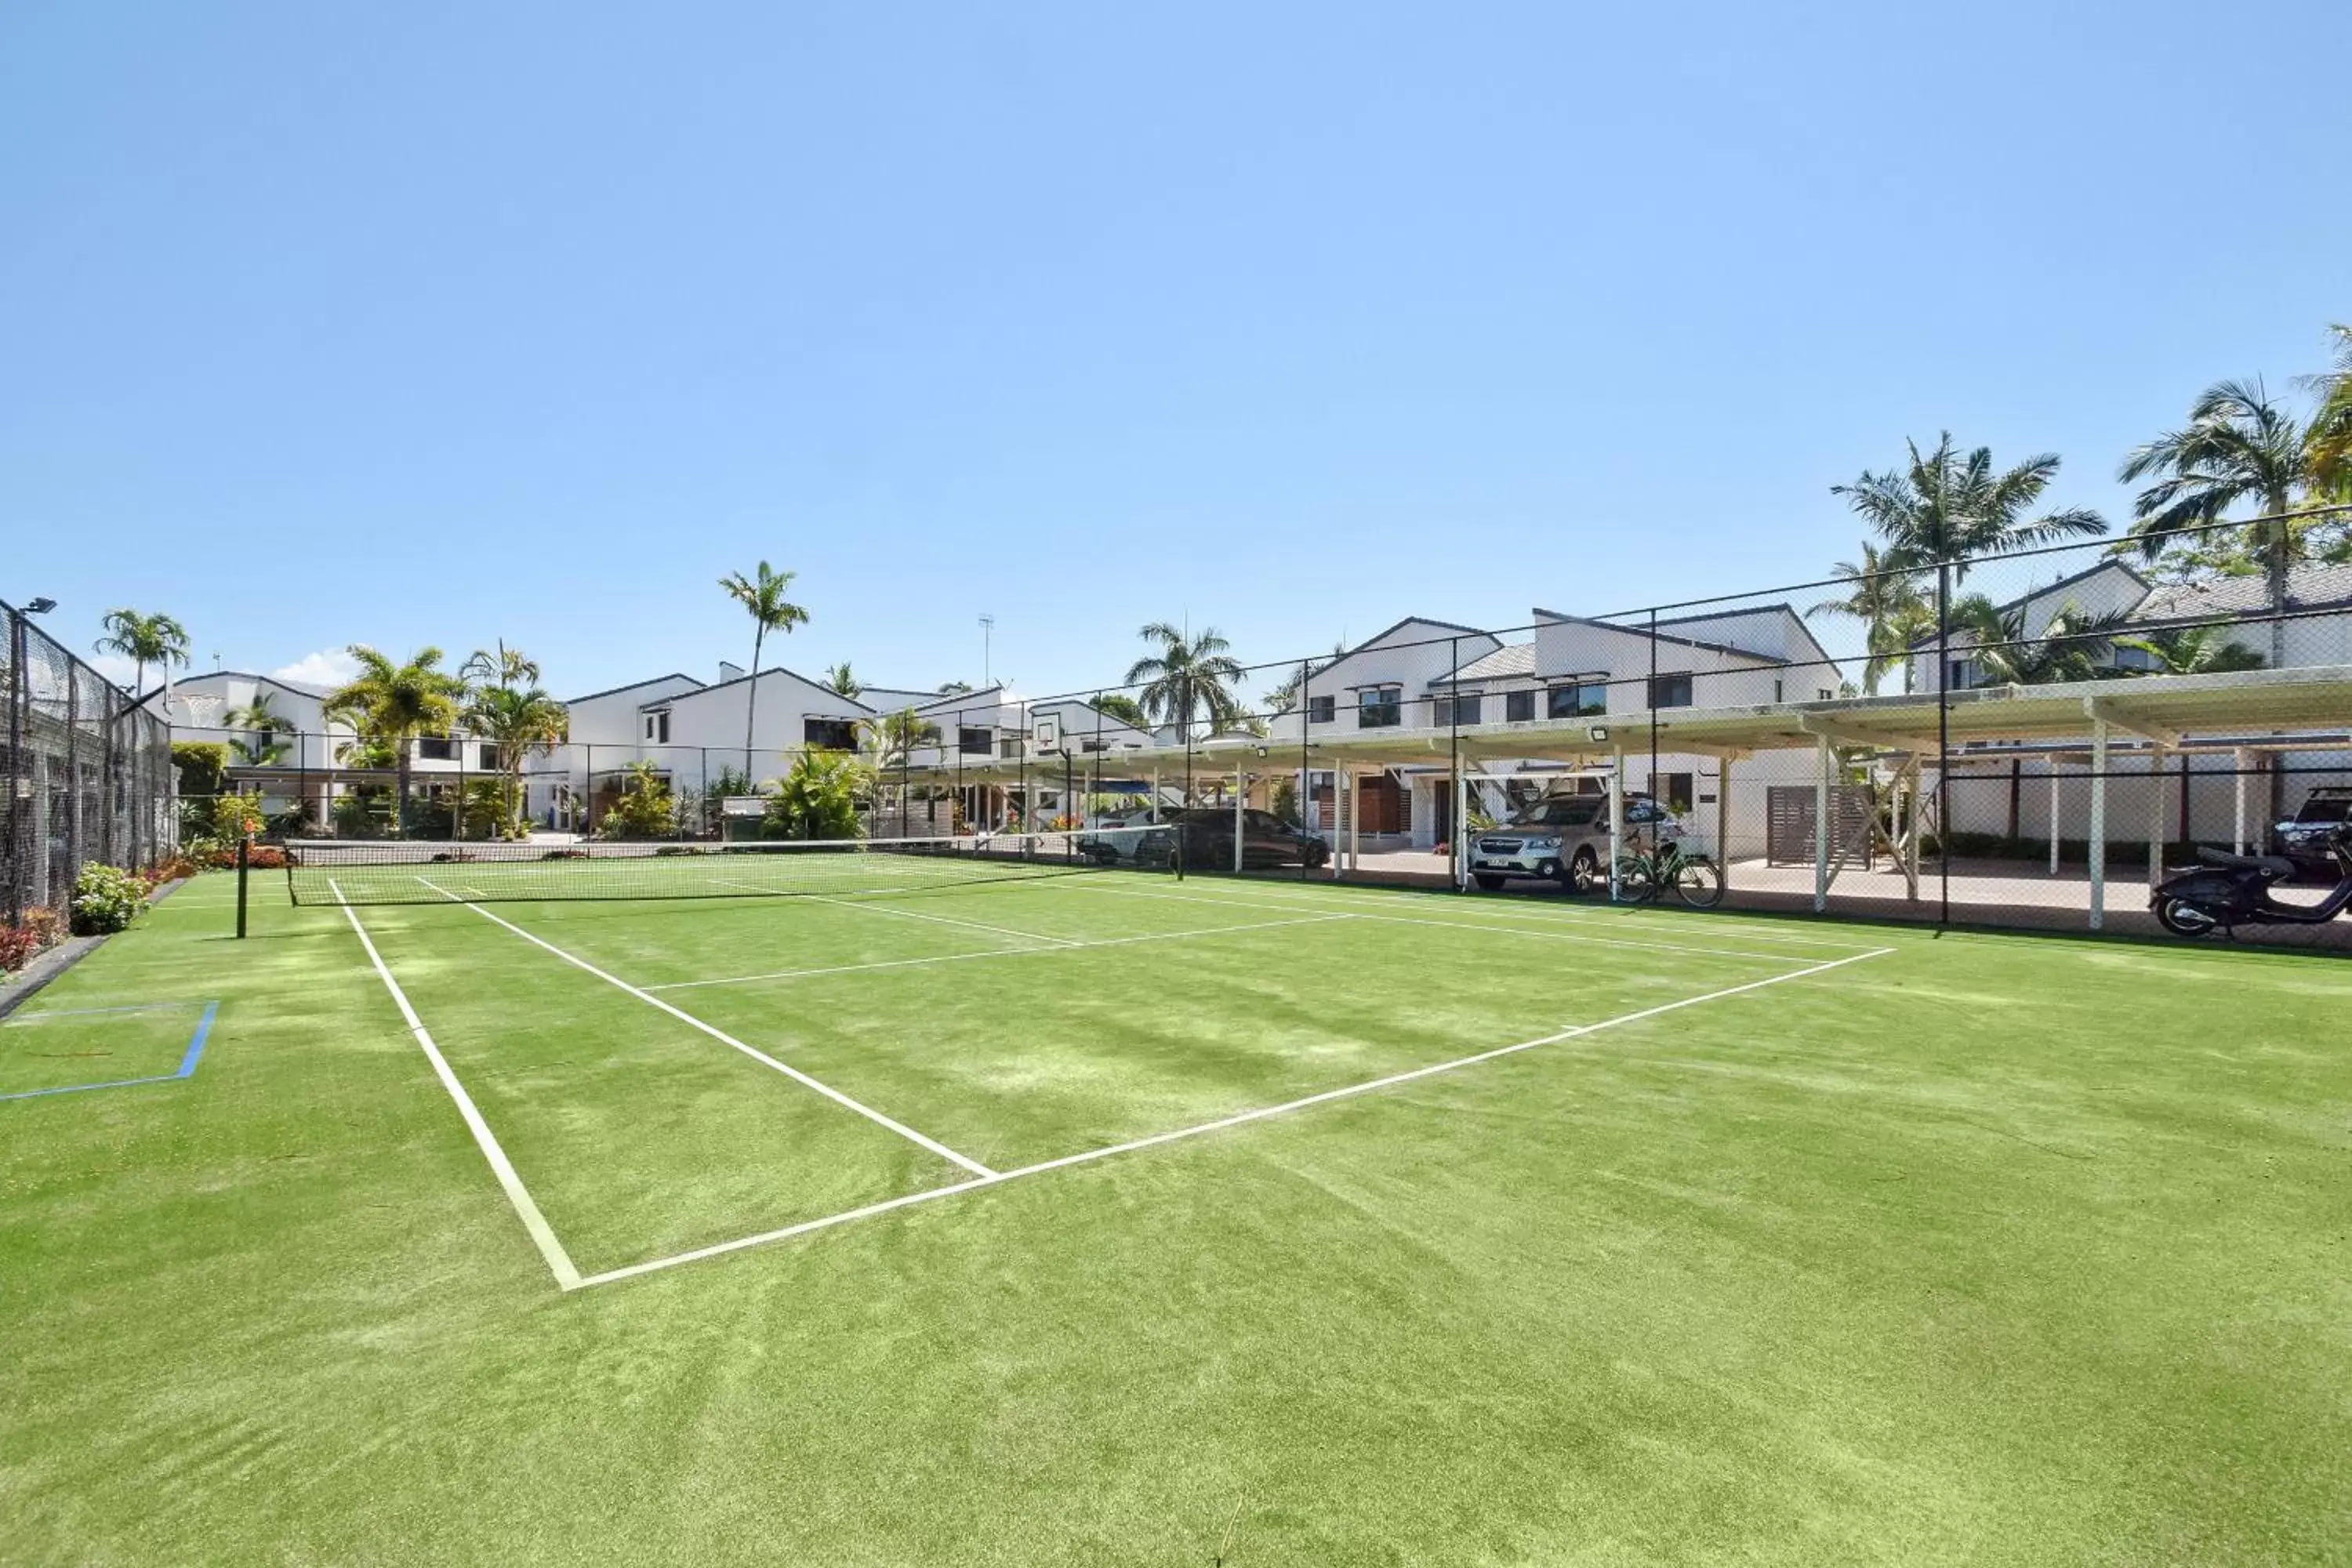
(1519, 707)
(1587, 696)
(1670, 690)
(658, 728)
(1322, 709)
(829, 734)
(432, 748)
(1380, 707)
(973, 740)
(1457, 710)
(491, 762)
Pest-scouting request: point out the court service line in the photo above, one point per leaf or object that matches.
(938, 919)
(1663, 923)
(999, 953)
(1221, 1125)
(542, 1235)
(724, 1038)
(1363, 914)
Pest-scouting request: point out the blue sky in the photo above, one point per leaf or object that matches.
(441, 323)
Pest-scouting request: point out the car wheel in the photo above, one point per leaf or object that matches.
(1582, 872)
(1487, 881)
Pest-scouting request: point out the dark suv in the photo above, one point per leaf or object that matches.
(1207, 841)
(2303, 840)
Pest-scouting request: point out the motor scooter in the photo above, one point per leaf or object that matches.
(2232, 891)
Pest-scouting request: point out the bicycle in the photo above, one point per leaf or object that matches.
(1642, 878)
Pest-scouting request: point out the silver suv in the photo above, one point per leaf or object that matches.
(1560, 838)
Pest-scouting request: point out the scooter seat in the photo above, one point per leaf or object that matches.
(2268, 864)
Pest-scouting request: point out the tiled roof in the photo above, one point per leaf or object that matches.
(2307, 587)
(1512, 658)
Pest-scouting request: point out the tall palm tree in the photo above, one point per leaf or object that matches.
(2072, 646)
(888, 738)
(1186, 678)
(157, 639)
(391, 704)
(843, 680)
(1947, 506)
(762, 597)
(517, 721)
(504, 667)
(2237, 447)
(1893, 612)
(259, 719)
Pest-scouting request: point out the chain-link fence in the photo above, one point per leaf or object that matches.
(88, 773)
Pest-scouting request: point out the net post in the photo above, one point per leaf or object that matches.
(243, 878)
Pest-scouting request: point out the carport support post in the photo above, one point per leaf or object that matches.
(1822, 825)
(1238, 791)
(1461, 826)
(1723, 820)
(2156, 814)
(1616, 818)
(1355, 823)
(2243, 759)
(2054, 813)
(2098, 824)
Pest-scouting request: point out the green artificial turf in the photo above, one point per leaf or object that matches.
(1982, 1249)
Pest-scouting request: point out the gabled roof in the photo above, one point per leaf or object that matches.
(634, 685)
(2043, 592)
(299, 687)
(1796, 618)
(2308, 587)
(776, 670)
(1516, 660)
(1641, 634)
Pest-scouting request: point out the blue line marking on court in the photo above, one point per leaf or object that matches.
(188, 1060)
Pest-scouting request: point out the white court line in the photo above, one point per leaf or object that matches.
(999, 953)
(542, 1234)
(724, 1038)
(939, 920)
(1665, 922)
(1363, 914)
(998, 1178)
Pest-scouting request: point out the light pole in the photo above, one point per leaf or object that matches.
(987, 627)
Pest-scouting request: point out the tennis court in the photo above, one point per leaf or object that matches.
(678, 1073)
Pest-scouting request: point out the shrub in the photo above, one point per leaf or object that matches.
(565, 855)
(237, 816)
(819, 798)
(17, 946)
(172, 868)
(203, 766)
(106, 898)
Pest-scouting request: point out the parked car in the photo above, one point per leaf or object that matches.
(1561, 839)
(1206, 837)
(2303, 839)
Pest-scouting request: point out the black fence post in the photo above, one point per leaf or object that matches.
(1307, 812)
(244, 869)
(1943, 737)
(1459, 808)
(19, 776)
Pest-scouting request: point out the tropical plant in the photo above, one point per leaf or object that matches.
(645, 808)
(516, 721)
(887, 740)
(955, 687)
(1124, 709)
(146, 639)
(237, 816)
(105, 898)
(391, 704)
(202, 767)
(2238, 446)
(500, 666)
(261, 723)
(2072, 646)
(1894, 611)
(1947, 506)
(2194, 650)
(1186, 679)
(762, 598)
(2328, 439)
(842, 680)
(819, 797)
(1284, 697)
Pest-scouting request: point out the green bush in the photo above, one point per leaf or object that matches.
(106, 898)
(819, 798)
(203, 766)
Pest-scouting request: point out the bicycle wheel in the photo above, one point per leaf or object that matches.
(1699, 883)
(1637, 880)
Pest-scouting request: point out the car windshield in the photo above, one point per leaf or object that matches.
(2324, 810)
(1557, 812)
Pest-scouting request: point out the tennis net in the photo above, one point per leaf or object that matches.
(410, 871)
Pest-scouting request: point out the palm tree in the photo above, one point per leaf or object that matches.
(889, 739)
(2328, 439)
(1950, 508)
(517, 720)
(259, 718)
(1185, 678)
(2072, 646)
(2238, 445)
(1125, 709)
(842, 680)
(1893, 610)
(955, 687)
(505, 667)
(157, 639)
(763, 598)
(391, 704)
(2194, 650)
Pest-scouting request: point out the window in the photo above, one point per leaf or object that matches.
(1824, 693)
(1519, 707)
(2125, 659)
(1675, 791)
(433, 748)
(829, 734)
(658, 728)
(1322, 709)
(1461, 709)
(490, 761)
(1380, 707)
(1960, 674)
(1775, 693)
(1587, 696)
(1670, 690)
(1010, 746)
(974, 741)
